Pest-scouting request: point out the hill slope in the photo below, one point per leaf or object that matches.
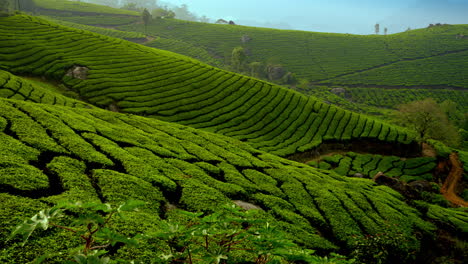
(324, 57)
(171, 87)
(51, 153)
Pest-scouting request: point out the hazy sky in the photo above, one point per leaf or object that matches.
(341, 16)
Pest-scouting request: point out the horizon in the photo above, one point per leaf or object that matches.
(334, 16)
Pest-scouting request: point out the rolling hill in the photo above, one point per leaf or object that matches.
(135, 79)
(90, 117)
(52, 152)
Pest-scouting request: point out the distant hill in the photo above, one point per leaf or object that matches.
(339, 59)
(85, 13)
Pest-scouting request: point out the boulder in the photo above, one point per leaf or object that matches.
(421, 186)
(358, 175)
(276, 72)
(340, 92)
(246, 206)
(245, 39)
(78, 72)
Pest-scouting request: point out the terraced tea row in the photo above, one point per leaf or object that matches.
(51, 153)
(171, 87)
(390, 98)
(369, 165)
(103, 31)
(81, 7)
(443, 71)
(14, 87)
(416, 57)
(184, 48)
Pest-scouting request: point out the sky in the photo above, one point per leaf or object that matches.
(338, 16)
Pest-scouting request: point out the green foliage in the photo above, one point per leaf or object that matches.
(369, 165)
(384, 247)
(15, 87)
(238, 58)
(229, 235)
(90, 226)
(146, 16)
(72, 6)
(366, 60)
(428, 119)
(102, 31)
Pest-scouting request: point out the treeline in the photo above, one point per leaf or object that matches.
(156, 8)
(9, 6)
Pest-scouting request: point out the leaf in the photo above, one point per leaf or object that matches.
(41, 219)
(130, 205)
(114, 237)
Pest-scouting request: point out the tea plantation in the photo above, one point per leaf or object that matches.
(85, 13)
(369, 165)
(175, 88)
(51, 152)
(432, 56)
(86, 115)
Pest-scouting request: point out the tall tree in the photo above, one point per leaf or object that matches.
(238, 57)
(428, 119)
(5, 6)
(146, 18)
(377, 28)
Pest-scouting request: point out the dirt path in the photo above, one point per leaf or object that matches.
(450, 184)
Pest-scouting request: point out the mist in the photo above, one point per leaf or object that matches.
(337, 16)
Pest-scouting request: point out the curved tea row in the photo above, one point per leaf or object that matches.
(171, 87)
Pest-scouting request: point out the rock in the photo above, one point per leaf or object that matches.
(411, 190)
(78, 72)
(358, 175)
(421, 186)
(245, 39)
(169, 207)
(276, 72)
(341, 92)
(382, 179)
(114, 107)
(246, 206)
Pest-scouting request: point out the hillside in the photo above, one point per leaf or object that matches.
(328, 57)
(85, 13)
(89, 116)
(52, 152)
(432, 60)
(131, 78)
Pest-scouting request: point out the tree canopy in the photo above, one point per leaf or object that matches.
(429, 120)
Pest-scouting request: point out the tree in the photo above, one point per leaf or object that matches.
(385, 31)
(238, 57)
(4, 6)
(162, 13)
(146, 17)
(428, 119)
(377, 28)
